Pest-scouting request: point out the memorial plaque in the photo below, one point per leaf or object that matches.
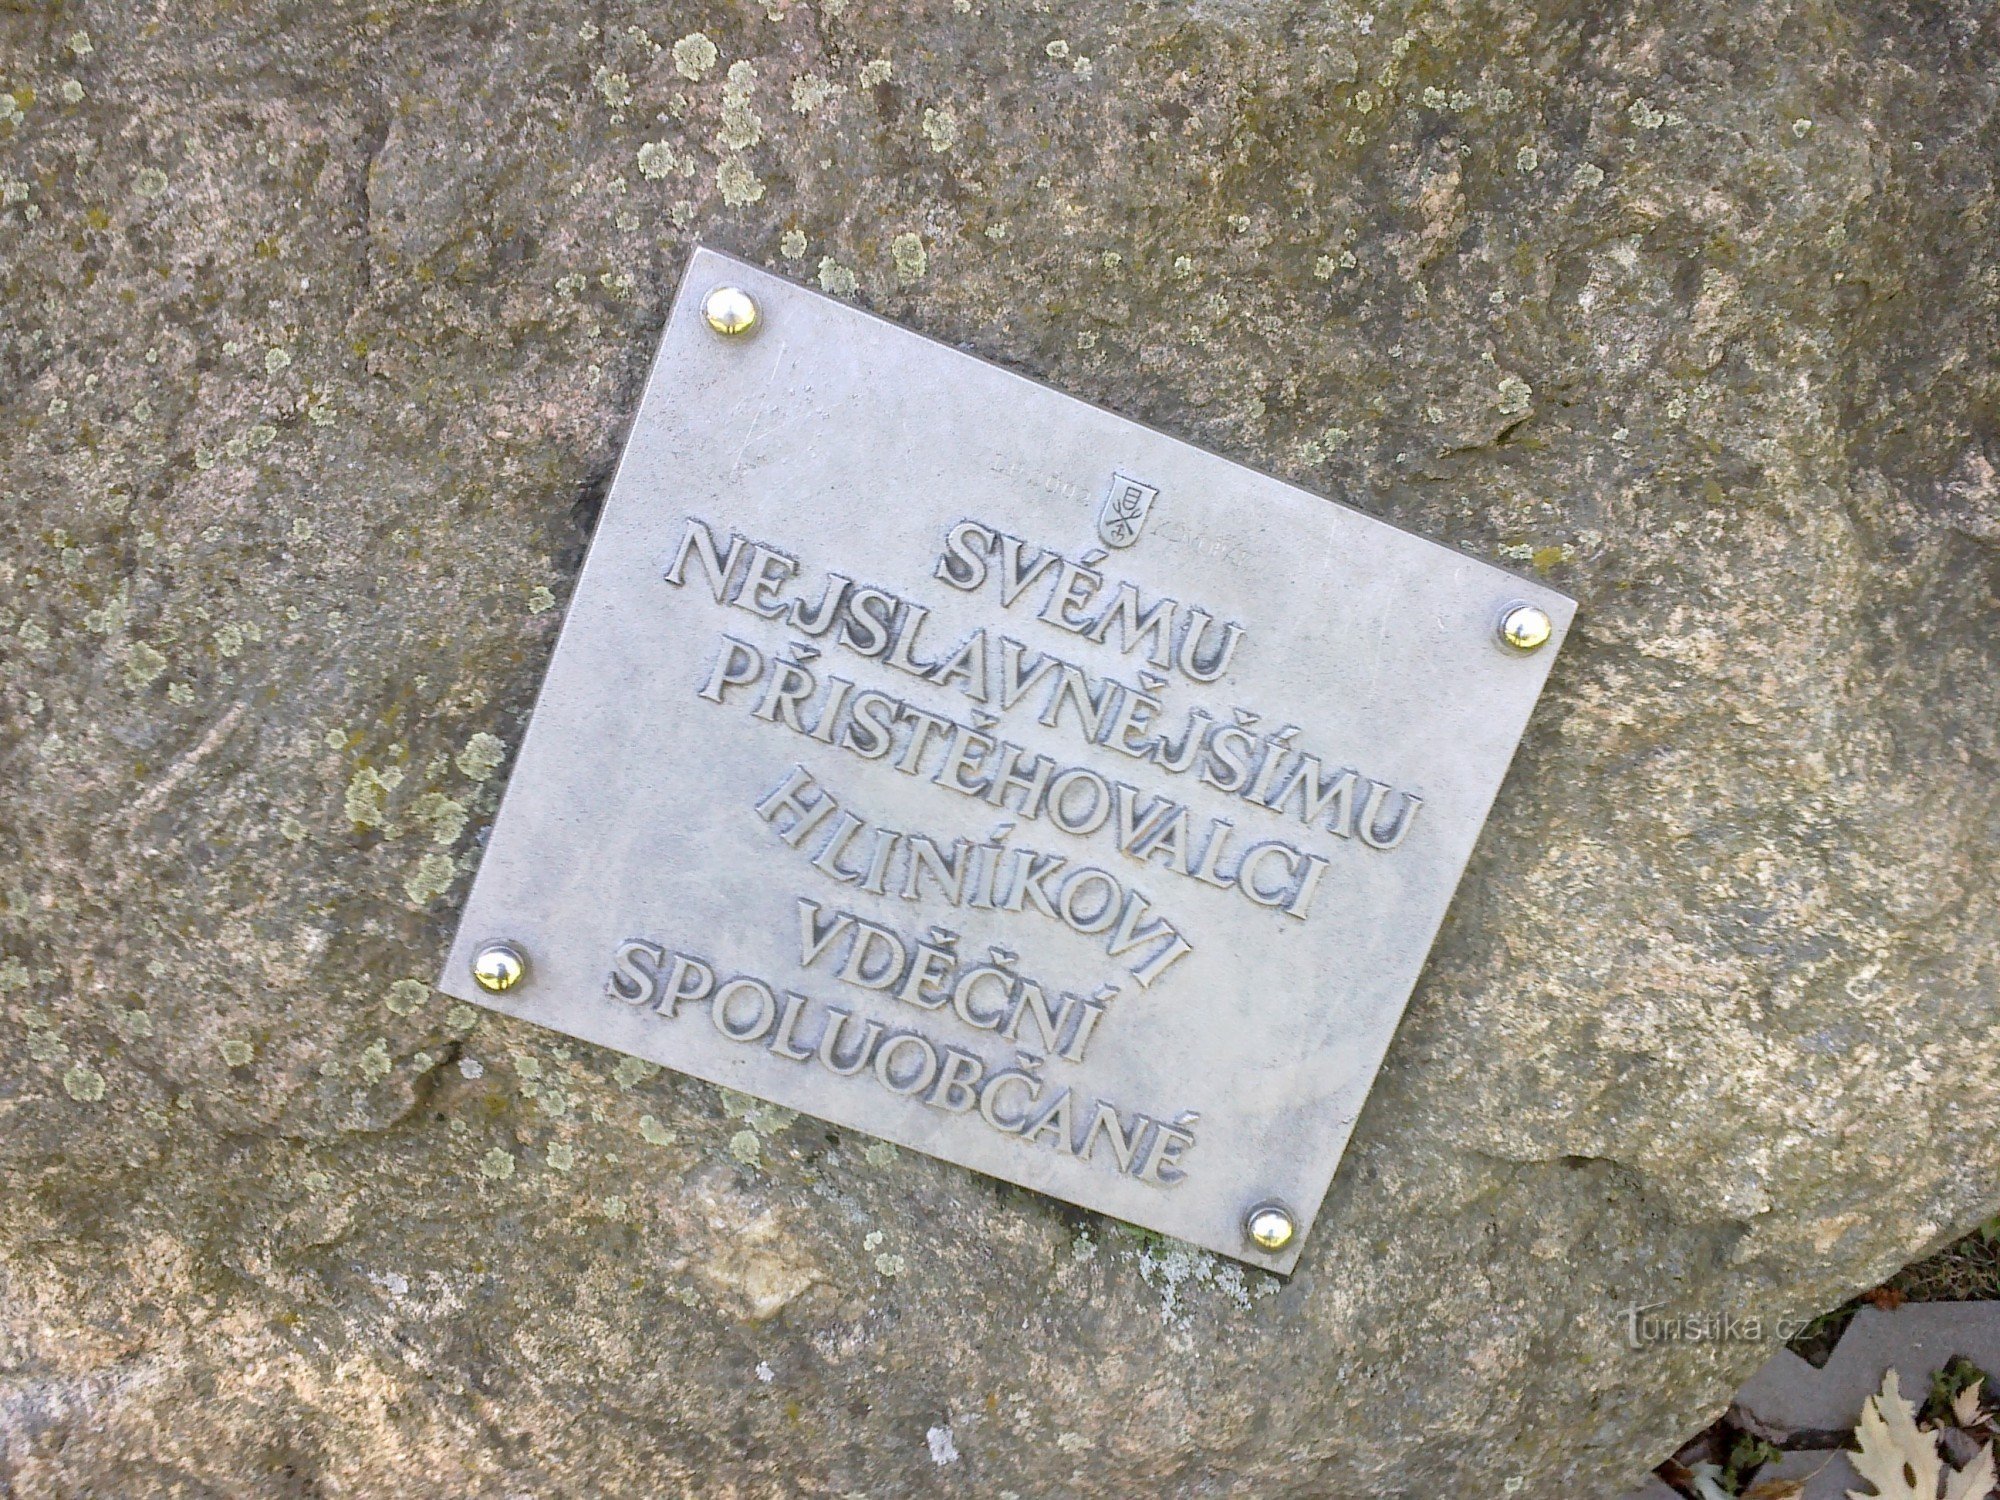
(941, 756)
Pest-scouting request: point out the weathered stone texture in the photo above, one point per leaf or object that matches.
(321, 324)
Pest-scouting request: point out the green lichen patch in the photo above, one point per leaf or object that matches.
(633, 1071)
(737, 184)
(431, 878)
(482, 756)
(912, 261)
(366, 803)
(836, 279)
(143, 663)
(443, 816)
(694, 55)
(406, 996)
(47, 1047)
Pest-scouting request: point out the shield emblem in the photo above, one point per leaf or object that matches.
(1124, 511)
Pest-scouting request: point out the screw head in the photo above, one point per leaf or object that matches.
(1525, 627)
(730, 311)
(498, 967)
(1270, 1226)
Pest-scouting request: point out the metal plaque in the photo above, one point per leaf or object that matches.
(938, 755)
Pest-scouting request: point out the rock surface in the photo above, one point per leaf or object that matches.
(320, 328)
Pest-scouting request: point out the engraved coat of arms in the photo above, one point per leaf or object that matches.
(1124, 511)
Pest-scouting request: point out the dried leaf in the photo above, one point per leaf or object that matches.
(1975, 1480)
(1901, 1460)
(1965, 1405)
(1786, 1489)
(1887, 1298)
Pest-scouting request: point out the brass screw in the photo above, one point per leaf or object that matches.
(1269, 1226)
(498, 967)
(730, 311)
(1525, 628)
